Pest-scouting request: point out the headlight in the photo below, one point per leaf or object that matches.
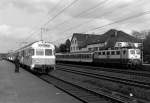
(32, 66)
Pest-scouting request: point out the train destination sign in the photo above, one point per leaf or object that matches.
(44, 45)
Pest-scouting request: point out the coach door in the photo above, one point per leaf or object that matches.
(123, 56)
(108, 56)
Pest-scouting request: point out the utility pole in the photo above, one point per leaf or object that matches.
(142, 52)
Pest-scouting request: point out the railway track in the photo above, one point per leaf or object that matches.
(123, 71)
(134, 83)
(139, 76)
(95, 74)
(140, 84)
(86, 95)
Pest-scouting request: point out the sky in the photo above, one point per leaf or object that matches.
(21, 20)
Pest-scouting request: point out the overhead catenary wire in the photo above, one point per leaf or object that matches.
(66, 37)
(81, 13)
(72, 3)
(118, 21)
(122, 20)
(57, 4)
(33, 33)
(96, 27)
(51, 19)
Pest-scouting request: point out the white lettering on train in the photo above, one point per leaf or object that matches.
(44, 45)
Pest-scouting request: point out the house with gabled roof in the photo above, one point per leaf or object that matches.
(109, 40)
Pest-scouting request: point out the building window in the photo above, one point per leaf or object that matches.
(112, 52)
(75, 41)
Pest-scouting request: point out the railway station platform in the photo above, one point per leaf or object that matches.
(24, 87)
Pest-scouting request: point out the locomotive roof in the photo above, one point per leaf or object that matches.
(85, 52)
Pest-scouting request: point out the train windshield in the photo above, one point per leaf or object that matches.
(39, 52)
(48, 52)
(132, 51)
(138, 51)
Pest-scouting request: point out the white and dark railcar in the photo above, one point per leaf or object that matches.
(130, 57)
(38, 56)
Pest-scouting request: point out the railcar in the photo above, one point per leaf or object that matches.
(38, 56)
(129, 57)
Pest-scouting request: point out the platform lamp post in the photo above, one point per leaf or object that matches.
(142, 54)
(142, 49)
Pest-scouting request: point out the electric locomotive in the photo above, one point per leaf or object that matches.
(129, 57)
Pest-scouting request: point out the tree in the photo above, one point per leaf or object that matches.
(68, 44)
(146, 45)
(62, 48)
(65, 47)
(141, 34)
(57, 50)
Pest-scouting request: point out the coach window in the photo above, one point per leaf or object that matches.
(108, 53)
(118, 52)
(39, 52)
(99, 53)
(31, 52)
(48, 52)
(103, 53)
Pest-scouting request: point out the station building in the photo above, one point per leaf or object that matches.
(112, 39)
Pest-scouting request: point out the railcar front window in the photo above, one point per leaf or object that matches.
(132, 51)
(48, 52)
(40, 52)
(138, 51)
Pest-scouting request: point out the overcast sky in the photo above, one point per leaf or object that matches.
(21, 20)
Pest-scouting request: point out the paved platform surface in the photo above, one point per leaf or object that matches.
(24, 87)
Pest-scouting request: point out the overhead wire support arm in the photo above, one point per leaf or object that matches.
(122, 20)
(41, 34)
